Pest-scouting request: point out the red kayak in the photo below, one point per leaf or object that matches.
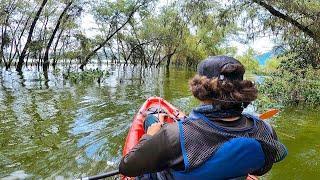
(136, 130)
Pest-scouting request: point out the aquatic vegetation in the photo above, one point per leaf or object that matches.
(86, 76)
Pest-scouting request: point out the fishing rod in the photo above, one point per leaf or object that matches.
(266, 115)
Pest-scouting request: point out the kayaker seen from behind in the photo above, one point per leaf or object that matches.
(216, 141)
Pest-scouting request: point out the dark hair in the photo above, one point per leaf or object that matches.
(227, 92)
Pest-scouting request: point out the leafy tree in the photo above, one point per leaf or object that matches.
(13, 24)
(296, 23)
(56, 28)
(249, 61)
(116, 15)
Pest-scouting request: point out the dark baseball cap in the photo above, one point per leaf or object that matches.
(212, 66)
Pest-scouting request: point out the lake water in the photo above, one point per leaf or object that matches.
(59, 129)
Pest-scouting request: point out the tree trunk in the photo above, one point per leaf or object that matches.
(113, 56)
(169, 58)
(26, 46)
(42, 39)
(28, 55)
(12, 54)
(105, 53)
(46, 55)
(21, 35)
(124, 55)
(154, 54)
(3, 39)
(55, 49)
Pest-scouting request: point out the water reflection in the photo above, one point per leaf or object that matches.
(299, 129)
(59, 129)
(55, 129)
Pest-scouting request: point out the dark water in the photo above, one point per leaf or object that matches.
(59, 129)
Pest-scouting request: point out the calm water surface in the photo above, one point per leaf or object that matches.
(59, 129)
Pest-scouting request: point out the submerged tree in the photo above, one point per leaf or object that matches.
(141, 32)
(13, 25)
(27, 44)
(55, 30)
(116, 15)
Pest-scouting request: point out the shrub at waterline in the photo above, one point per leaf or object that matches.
(285, 87)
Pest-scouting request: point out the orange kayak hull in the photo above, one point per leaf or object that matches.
(136, 130)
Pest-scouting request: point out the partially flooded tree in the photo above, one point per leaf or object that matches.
(13, 22)
(55, 30)
(130, 31)
(116, 15)
(28, 41)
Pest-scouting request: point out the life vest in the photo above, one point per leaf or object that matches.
(214, 152)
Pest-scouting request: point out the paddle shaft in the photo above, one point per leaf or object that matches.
(100, 176)
(268, 114)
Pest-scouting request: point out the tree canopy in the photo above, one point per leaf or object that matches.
(143, 32)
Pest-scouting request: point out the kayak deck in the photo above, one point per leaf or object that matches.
(136, 130)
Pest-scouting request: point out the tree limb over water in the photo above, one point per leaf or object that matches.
(305, 29)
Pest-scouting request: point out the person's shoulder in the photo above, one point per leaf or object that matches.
(171, 132)
(171, 128)
(255, 117)
(263, 123)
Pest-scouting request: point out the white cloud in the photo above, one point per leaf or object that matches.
(89, 25)
(259, 45)
(263, 44)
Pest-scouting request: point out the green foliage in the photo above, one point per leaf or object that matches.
(290, 81)
(248, 60)
(36, 46)
(71, 54)
(56, 71)
(292, 87)
(191, 51)
(87, 76)
(295, 23)
(85, 46)
(272, 64)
